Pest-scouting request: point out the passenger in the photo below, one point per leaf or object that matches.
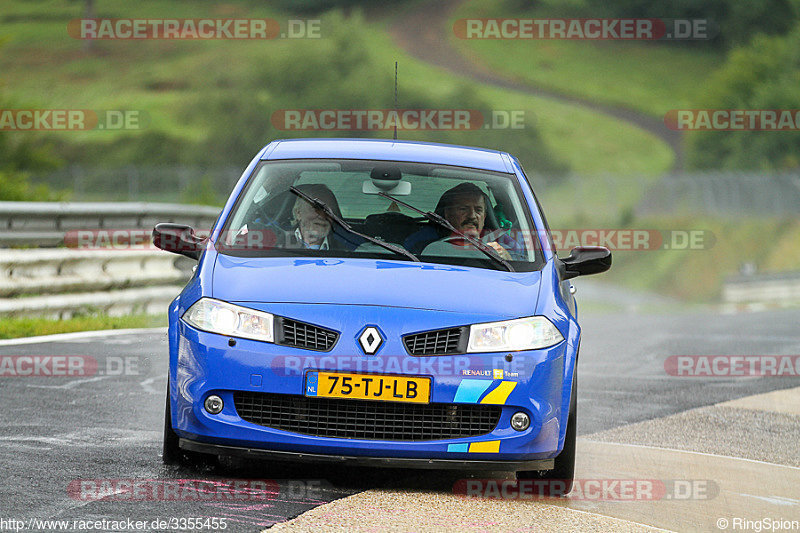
(312, 227)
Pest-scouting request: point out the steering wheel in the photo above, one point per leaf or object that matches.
(486, 239)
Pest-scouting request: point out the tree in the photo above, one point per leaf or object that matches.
(764, 75)
(738, 21)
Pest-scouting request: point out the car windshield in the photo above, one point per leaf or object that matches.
(380, 209)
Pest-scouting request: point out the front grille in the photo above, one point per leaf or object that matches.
(440, 342)
(306, 336)
(363, 419)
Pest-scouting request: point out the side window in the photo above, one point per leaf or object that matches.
(547, 231)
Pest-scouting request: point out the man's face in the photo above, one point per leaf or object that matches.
(467, 214)
(314, 225)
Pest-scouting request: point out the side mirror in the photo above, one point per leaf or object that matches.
(178, 239)
(585, 260)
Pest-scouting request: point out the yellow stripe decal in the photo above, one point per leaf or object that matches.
(499, 395)
(492, 446)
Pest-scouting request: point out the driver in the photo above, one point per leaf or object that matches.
(465, 207)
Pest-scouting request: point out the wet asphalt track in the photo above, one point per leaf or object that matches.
(58, 430)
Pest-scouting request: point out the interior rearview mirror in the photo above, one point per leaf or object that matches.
(388, 180)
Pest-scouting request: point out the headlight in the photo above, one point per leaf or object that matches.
(216, 316)
(530, 333)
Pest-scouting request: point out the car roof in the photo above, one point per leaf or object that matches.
(388, 150)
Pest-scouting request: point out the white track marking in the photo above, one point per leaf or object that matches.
(146, 384)
(77, 335)
(70, 384)
(777, 500)
(613, 518)
(692, 453)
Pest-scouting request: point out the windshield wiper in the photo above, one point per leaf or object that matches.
(322, 206)
(440, 220)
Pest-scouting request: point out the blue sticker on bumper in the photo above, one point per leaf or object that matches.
(470, 390)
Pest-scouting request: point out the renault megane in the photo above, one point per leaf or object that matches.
(378, 302)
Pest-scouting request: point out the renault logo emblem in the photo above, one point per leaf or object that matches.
(370, 340)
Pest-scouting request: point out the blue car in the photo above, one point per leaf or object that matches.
(377, 302)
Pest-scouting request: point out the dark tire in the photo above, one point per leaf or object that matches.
(563, 473)
(172, 454)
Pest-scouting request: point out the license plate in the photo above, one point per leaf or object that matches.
(380, 387)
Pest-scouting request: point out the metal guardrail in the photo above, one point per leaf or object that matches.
(47, 223)
(143, 300)
(780, 287)
(724, 193)
(59, 270)
(62, 282)
(53, 281)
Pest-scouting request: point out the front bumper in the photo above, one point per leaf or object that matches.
(203, 363)
(382, 462)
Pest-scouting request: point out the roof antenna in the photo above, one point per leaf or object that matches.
(395, 100)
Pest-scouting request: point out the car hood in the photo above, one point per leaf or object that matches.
(376, 282)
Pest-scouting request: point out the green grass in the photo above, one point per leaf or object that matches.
(12, 328)
(645, 76)
(698, 275)
(589, 142)
(43, 66)
(595, 200)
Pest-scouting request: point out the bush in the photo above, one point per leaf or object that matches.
(229, 113)
(149, 148)
(738, 20)
(14, 187)
(19, 153)
(763, 75)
